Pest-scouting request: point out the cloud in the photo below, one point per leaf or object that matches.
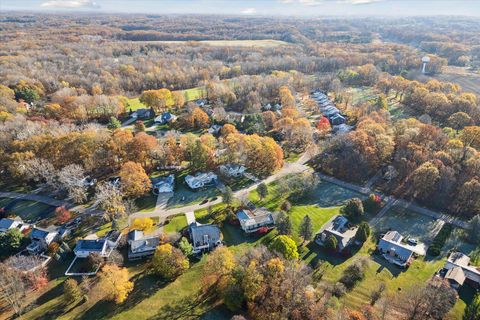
(249, 11)
(359, 1)
(310, 3)
(70, 4)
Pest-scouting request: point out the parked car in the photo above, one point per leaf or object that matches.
(412, 241)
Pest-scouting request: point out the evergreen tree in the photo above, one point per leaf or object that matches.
(262, 190)
(306, 228)
(228, 196)
(114, 123)
(331, 243)
(363, 232)
(284, 225)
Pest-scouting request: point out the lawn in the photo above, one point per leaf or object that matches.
(409, 224)
(146, 203)
(27, 210)
(185, 196)
(176, 224)
(318, 215)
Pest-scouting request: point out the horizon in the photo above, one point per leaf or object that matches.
(250, 8)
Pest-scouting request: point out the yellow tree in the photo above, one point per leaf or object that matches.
(114, 283)
(143, 224)
(134, 180)
(169, 262)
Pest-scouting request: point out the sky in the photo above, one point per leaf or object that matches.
(255, 7)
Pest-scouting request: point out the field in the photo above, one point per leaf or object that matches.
(409, 224)
(190, 95)
(27, 210)
(469, 81)
(226, 43)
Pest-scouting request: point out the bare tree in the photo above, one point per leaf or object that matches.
(13, 288)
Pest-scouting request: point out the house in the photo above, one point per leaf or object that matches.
(330, 111)
(165, 117)
(394, 251)
(41, 239)
(103, 246)
(232, 170)
(201, 102)
(342, 128)
(253, 220)
(201, 180)
(459, 271)
(267, 107)
(215, 129)
(7, 223)
(140, 245)
(340, 228)
(205, 237)
(277, 107)
(163, 184)
(143, 113)
(337, 119)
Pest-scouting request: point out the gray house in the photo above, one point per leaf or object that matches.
(341, 229)
(253, 220)
(394, 251)
(205, 237)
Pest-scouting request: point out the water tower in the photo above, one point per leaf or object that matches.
(425, 61)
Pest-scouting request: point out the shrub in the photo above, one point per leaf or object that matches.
(331, 243)
(286, 246)
(339, 290)
(439, 241)
(354, 273)
(372, 203)
(353, 208)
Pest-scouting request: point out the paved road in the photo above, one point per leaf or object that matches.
(35, 197)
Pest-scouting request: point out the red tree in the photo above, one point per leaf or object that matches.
(62, 214)
(324, 124)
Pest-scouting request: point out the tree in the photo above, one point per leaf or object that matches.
(10, 242)
(71, 290)
(62, 214)
(424, 180)
(114, 283)
(109, 199)
(363, 232)
(353, 208)
(262, 190)
(331, 243)
(470, 136)
(459, 120)
(354, 273)
(228, 129)
(201, 157)
(178, 99)
(285, 246)
(284, 224)
(323, 125)
(472, 312)
(169, 262)
(143, 224)
(13, 288)
(306, 228)
(114, 123)
(139, 126)
(157, 99)
(134, 181)
(185, 246)
(472, 232)
(218, 267)
(71, 179)
(227, 196)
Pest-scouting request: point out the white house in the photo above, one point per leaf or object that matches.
(232, 170)
(394, 251)
(7, 223)
(201, 180)
(253, 220)
(459, 270)
(102, 246)
(341, 229)
(164, 184)
(141, 245)
(41, 239)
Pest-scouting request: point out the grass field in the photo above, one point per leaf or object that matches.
(190, 95)
(26, 209)
(176, 224)
(469, 81)
(267, 43)
(409, 224)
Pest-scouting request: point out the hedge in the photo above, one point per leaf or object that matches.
(440, 239)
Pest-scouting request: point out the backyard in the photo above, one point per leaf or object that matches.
(26, 209)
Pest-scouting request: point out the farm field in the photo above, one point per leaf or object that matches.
(469, 81)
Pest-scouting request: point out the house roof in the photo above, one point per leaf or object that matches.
(39, 233)
(392, 241)
(7, 223)
(203, 234)
(339, 228)
(456, 274)
(257, 216)
(90, 245)
(459, 259)
(200, 179)
(135, 235)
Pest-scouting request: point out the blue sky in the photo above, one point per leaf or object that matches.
(256, 7)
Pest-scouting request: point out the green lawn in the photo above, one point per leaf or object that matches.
(146, 203)
(176, 224)
(409, 224)
(27, 210)
(318, 215)
(184, 196)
